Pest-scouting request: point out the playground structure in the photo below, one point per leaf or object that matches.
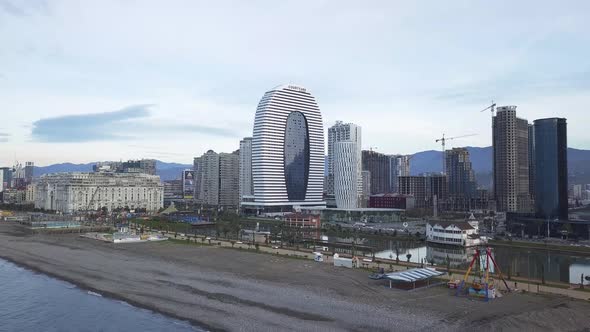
(484, 288)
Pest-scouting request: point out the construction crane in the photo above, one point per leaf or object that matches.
(443, 141)
(492, 108)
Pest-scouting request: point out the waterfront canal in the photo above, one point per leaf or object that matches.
(519, 262)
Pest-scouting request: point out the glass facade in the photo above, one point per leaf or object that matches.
(550, 167)
(296, 156)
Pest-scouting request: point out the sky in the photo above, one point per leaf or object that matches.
(82, 81)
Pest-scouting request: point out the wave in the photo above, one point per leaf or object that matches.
(94, 294)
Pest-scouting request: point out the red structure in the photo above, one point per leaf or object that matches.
(301, 220)
(482, 287)
(391, 201)
(309, 223)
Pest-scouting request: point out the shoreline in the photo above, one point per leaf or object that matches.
(110, 295)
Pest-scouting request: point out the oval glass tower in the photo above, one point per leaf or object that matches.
(296, 159)
(288, 150)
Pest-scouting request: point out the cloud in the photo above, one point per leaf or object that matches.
(509, 87)
(126, 124)
(88, 127)
(23, 8)
(210, 131)
(4, 137)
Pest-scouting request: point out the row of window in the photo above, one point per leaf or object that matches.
(446, 239)
(446, 231)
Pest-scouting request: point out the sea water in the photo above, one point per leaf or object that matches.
(35, 302)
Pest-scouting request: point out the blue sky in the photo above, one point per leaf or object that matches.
(109, 80)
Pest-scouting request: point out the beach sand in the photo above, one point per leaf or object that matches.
(229, 289)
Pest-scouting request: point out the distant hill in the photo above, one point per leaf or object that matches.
(166, 171)
(64, 167)
(431, 160)
(422, 162)
(481, 158)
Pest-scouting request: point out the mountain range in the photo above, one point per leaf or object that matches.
(421, 162)
(482, 163)
(166, 171)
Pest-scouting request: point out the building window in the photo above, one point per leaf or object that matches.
(296, 156)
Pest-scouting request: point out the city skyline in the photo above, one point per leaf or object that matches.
(78, 90)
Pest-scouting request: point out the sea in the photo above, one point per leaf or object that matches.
(31, 301)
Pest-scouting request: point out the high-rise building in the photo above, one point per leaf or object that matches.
(246, 184)
(229, 183)
(531, 129)
(427, 189)
(345, 167)
(287, 150)
(148, 166)
(511, 166)
(343, 132)
(18, 176)
(577, 191)
(550, 157)
(197, 161)
(217, 175)
(462, 184)
(399, 165)
(366, 189)
(29, 169)
(188, 184)
(208, 175)
(379, 166)
(5, 178)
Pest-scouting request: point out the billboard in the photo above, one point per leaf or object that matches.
(188, 183)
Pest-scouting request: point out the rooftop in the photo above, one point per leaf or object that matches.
(462, 225)
(412, 275)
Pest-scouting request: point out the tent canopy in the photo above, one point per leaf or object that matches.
(412, 275)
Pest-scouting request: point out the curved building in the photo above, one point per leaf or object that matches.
(288, 150)
(346, 170)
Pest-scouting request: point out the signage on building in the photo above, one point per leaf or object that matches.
(188, 184)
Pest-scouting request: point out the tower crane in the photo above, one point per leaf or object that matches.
(492, 108)
(443, 140)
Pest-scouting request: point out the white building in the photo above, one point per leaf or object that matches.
(30, 195)
(399, 165)
(246, 184)
(577, 189)
(346, 172)
(343, 132)
(73, 192)
(5, 178)
(287, 150)
(457, 233)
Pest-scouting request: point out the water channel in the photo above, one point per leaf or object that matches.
(525, 263)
